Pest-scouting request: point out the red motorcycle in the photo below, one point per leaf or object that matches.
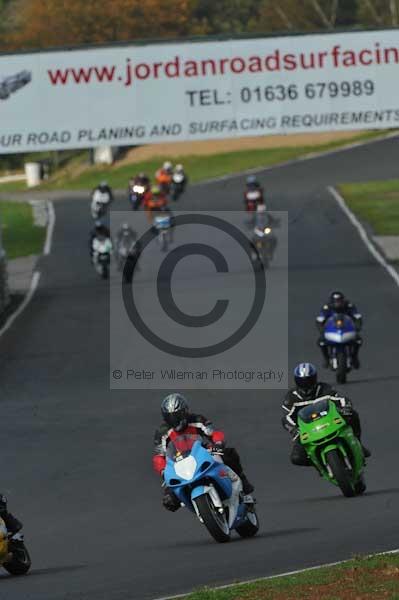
(252, 199)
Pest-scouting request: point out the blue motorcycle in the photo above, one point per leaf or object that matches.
(340, 337)
(162, 227)
(209, 488)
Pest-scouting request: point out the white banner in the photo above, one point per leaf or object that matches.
(126, 95)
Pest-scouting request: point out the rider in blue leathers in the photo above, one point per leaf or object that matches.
(338, 304)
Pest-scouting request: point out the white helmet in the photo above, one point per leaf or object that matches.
(261, 208)
(179, 168)
(167, 166)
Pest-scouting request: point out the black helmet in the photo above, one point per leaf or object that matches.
(103, 186)
(337, 301)
(174, 410)
(306, 379)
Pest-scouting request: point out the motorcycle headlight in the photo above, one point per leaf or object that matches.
(267, 230)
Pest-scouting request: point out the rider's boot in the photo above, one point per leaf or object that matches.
(324, 352)
(247, 486)
(355, 357)
(366, 451)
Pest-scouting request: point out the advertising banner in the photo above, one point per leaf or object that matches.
(140, 94)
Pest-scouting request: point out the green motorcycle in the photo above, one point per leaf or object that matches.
(332, 446)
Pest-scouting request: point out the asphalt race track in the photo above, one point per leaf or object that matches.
(76, 458)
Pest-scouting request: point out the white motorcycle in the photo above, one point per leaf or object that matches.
(102, 250)
(177, 186)
(99, 204)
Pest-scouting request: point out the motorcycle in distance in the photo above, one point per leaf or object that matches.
(264, 245)
(100, 203)
(127, 255)
(177, 186)
(124, 249)
(332, 446)
(102, 249)
(136, 194)
(209, 488)
(340, 336)
(252, 199)
(14, 556)
(162, 226)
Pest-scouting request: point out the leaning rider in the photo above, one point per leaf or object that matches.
(11, 522)
(178, 420)
(307, 391)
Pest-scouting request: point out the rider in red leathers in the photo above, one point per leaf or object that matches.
(177, 421)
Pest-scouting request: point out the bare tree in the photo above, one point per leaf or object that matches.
(326, 12)
(379, 12)
(394, 12)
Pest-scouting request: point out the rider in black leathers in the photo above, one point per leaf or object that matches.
(308, 389)
(11, 522)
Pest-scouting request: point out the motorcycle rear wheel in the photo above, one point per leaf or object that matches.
(215, 522)
(340, 473)
(20, 562)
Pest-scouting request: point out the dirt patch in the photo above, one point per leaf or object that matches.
(207, 147)
(353, 584)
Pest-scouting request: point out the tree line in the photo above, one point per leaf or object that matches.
(36, 24)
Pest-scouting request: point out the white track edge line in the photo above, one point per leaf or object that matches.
(32, 289)
(293, 161)
(50, 228)
(363, 234)
(36, 274)
(280, 575)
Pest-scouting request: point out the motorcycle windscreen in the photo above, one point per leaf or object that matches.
(315, 411)
(182, 446)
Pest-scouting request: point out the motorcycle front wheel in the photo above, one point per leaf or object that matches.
(214, 521)
(340, 473)
(163, 242)
(20, 562)
(341, 368)
(105, 272)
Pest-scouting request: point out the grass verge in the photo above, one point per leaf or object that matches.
(375, 202)
(21, 237)
(13, 186)
(375, 577)
(199, 168)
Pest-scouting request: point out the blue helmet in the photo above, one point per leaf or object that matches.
(306, 379)
(252, 180)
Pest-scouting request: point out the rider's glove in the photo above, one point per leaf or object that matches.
(217, 447)
(170, 502)
(346, 411)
